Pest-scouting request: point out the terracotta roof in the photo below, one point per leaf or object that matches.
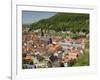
(28, 57)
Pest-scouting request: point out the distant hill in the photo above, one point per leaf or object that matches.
(64, 22)
(25, 25)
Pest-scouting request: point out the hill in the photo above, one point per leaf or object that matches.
(74, 22)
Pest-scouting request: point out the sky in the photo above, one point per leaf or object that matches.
(29, 17)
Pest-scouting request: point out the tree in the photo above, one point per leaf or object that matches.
(74, 22)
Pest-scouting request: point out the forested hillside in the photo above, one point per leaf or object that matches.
(74, 22)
